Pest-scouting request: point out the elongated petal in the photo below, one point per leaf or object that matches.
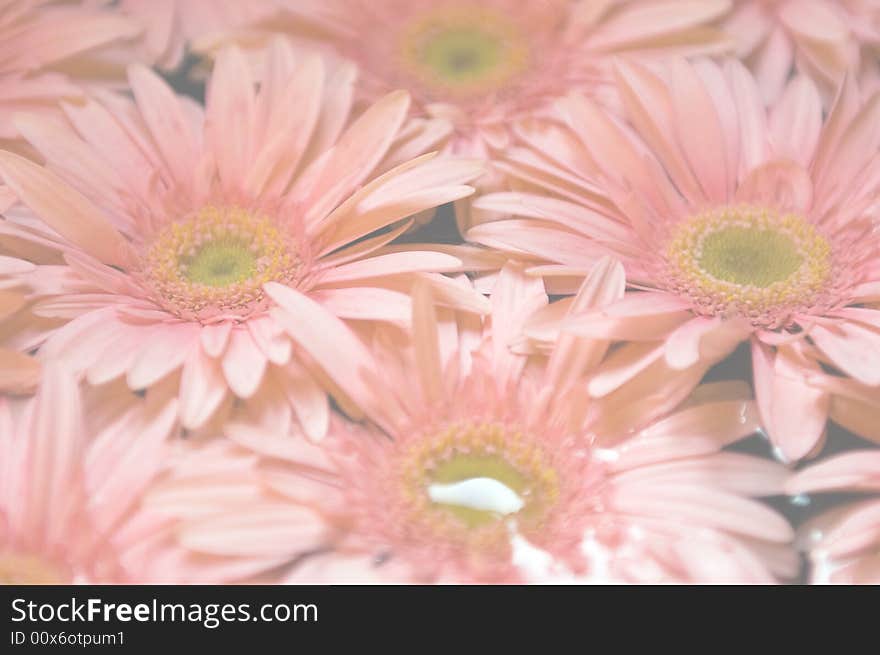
(65, 210)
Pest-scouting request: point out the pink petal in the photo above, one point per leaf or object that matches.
(65, 210)
(794, 412)
(796, 121)
(782, 184)
(426, 342)
(56, 442)
(390, 264)
(857, 416)
(215, 337)
(622, 365)
(702, 506)
(353, 158)
(853, 471)
(229, 116)
(643, 21)
(202, 389)
(699, 131)
(704, 340)
(166, 120)
(268, 529)
(164, 353)
(289, 106)
(243, 364)
(270, 339)
(330, 342)
(639, 316)
(514, 298)
(571, 356)
(366, 303)
(308, 400)
(853, 348)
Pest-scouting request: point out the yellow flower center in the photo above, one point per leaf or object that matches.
(463, 50)
(28, 570)
(216, 262)
(465, 481)
(749, 261)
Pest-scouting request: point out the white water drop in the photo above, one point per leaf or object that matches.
(483, 494)
(801, 500)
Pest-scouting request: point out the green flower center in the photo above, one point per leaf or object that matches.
(462, 54)
(750, 255)
(748, 261)
(464, 481)
(463, 50)
(215, 262)
(222, 262)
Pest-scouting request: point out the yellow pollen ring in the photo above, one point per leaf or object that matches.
(467, 452)
(217, 261)
(463, 50)
(748, 261)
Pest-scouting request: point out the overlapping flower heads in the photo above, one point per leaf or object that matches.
(471, 291)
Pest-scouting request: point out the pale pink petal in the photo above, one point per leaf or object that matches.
(366, 303)
(229, 116)
(854, 471)
(332, 345)
(264, 531)
(308, 400)
(390, 264)
(163, 353)
(704, 506)
(215, 337)
(853, 348)
(426, 342)
(639, 316)
(164, 116)
(243, 364)
(794, 412)
(604, 285)
(202, 389)
(64, 209)
(353, 158)
(796, 121)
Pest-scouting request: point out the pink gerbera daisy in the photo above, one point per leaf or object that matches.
(843, 543)
(70, 475)
(487, 65)
(492, 467)
(824, 39)
(45, 50)
(731, 220)
(171, 222)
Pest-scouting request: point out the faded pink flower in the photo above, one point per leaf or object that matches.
(843, 544)
(825, 39)
(490, 466)
(732, 222)
(171, 222)
(46, 50)
(69, 476)
(171, 25)
(487, 65)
